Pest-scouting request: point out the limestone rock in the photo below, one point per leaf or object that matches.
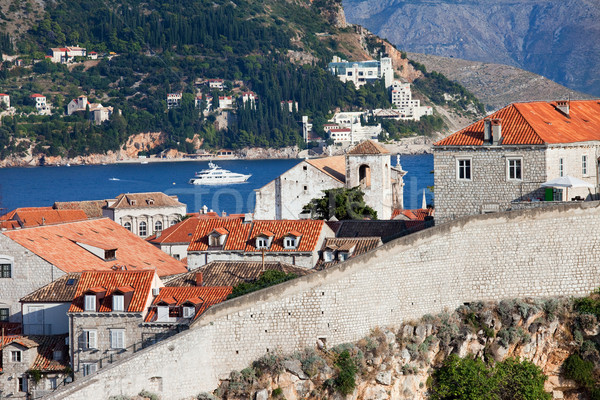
(384, 378)
(262, 395)
(295, 367)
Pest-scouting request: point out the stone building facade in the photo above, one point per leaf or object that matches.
(367, 165)
(145, 213)
(535, 253)
(500, 163)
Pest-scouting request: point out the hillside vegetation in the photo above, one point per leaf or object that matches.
(278, 49)
(515, 349)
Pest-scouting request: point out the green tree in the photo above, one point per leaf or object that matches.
(345, 381)
(342, 203)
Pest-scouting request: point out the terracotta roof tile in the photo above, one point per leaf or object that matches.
(360, 245)
(236, 239)
(536, 123)
(181, 232)
(140, 281)
(413, 215)
(368, 147)
(137, 200)
(61, 290)
(333, 166)
(91, 208)
(57, 245)
(231, 273)
(44, 360)
(209, 295)
(310, 230)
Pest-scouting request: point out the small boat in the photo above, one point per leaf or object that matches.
(216, 175)
(113, 179)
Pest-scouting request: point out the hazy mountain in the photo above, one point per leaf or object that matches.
(558, 39)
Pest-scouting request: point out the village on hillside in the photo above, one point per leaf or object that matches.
(85, 284)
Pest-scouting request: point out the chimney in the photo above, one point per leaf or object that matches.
(496, 130)
(487, 131)
(198, 278)
(563, 107)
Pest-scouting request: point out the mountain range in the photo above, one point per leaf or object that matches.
(558, 39)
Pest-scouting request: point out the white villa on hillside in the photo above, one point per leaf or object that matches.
(409, 109)
(98, 113)
(40, 104)
(361, 72)
(174, 100)
(346, 127)
(4, 98)
(64, 55)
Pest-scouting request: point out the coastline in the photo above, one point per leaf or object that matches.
(413, 145)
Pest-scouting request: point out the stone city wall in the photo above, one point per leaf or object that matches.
(531, 253)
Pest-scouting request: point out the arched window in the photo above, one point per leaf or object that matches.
(127, 225)
(173, 222)
(158, 226)
(142, 231)
(364, 176)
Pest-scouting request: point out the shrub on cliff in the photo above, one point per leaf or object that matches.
(465, 378)
(345, 381)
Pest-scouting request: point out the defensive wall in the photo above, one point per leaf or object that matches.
(528, 253)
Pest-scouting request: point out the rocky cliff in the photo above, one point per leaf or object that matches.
(398, 363)
(549, 38)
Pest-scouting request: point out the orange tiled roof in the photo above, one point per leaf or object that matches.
(413, 215)
(536, 123)
(231, 273)
(44, 360)
(310, 230)
(368, 147)
(209, 295)
(48, 217)
(181, 232)
(57, 245)
(140, 281)
(137, 200)
(236, 239)
(333, 166)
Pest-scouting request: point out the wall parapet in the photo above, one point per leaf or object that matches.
(542, 252)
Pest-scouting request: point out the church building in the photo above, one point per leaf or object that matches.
(367, 165)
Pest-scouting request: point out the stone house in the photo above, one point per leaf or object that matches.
(66, 55)
(19, 355)
(174, 100)
(145, 213)
(500, 162)
(367, 165)
(45, 310)
(176, 239)
(362, 72)
(42, 107)
(296, 242)
(105, 316)
(31, 258)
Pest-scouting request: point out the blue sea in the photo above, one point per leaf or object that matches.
(42, 186)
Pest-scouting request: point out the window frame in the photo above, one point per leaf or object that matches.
(89, 302)
(158, 226)
(509, 169)
(4, 314)
(290, 242)
(143, 228)
(561, 167)
(16, 356)
(584, 165)
(189, 311)
(22, 384)
(118, 300)
(458, 169)
(127, 225)
(262, 242)
(89, 368)
(6, 269)
(117, 338)
(90, 341)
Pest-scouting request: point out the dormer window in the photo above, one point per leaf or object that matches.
(118, 302)
(90, 302)
(150, 201)
(110, 254)
(328, 256)
(133, 202)
(217, 237)
(189, 311)
(261, 242)
(291, 240)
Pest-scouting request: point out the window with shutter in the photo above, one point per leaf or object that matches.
(90, 339)
(117, 338)
(90, 302)
(118, 302)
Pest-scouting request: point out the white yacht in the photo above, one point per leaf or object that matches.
(216, 175)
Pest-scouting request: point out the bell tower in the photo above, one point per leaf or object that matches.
(368, 166)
